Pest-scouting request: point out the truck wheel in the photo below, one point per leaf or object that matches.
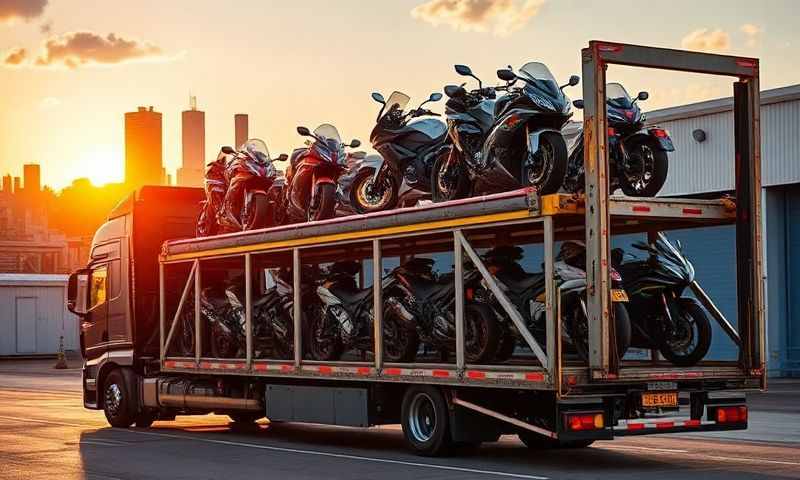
(119, 400)
(425, 421)
(536, 441)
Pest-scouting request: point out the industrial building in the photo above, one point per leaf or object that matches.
(193, 146)
(702, 165)
(143, 148)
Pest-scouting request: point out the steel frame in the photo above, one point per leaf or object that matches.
(596, 58)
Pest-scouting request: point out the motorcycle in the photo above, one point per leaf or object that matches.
(527, 292)
(346, 320)
(416, 295)
(501, 145)
(638, 155)
(676, 325)
(250, 175)
(311, 179)
(401, 174)
(215, 186)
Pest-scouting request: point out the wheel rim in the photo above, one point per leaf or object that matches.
(324, 338)
(394, 339)
(540, 164)
(113, 399)
(422, 418)
(683, 340)
(372, 198)
(638, 170)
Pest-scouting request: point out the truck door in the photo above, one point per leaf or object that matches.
(94, 325)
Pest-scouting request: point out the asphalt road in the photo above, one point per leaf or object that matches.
(46, 433)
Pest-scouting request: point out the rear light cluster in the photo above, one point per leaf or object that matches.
(737, 414)
(579, 422)
(660, 133)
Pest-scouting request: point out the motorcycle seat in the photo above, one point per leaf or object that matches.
(351, 297)
(523, 283)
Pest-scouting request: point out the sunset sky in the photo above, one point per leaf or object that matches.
(71, 68)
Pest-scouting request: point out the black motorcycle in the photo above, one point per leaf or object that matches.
(527, 292)
(416, 295)
(401, 174)
(346, 320)
(637, 154)
(510, 143)
(676, 325)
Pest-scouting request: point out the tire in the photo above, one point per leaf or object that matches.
(552, 154)
(260, 215)
(690, 307)
(481, 333)
(578, 328)
(359, 194)
(622, 328)
(452, 186)
(223, 345)
(329, 347)
(506, 345)
(119, 400)
(536, 441)
(658, 174)
(425, 420)
(326, 203)
(401, 340)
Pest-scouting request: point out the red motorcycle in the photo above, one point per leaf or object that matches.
(215, 185)
(311, 179)
(250, 175)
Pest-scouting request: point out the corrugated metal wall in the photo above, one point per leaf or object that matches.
(708, 166)
(32, 318)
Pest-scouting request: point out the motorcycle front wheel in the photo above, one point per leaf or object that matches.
(645, 171)
(689, 342)
(258, 215)
(481, 335)
(546, 168)
(449, 179)
(223, 343)
(324, 344)
(186, 336)
(324, 205)
(367, 197)
(400, 339)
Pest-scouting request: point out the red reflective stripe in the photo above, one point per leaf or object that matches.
(286, 368)
(640, 208)
(441, 373)
(476, 375)
(205, 365)
(259, 366)
(363, 370)
(746, 62)
(665, 424)
(534, 377)
(393, 371)
(691, 423)
(325, 369)
(636, 426)
(692, 211)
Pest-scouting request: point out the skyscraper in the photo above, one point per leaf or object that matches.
(193, 130)
(240, 124)
(143, 148)
(32, 178)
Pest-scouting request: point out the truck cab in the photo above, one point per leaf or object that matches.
(116, 294)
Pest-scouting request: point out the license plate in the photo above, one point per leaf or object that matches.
(619, 295)
(660, 399)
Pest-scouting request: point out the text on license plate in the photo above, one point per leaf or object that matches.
(619, 295)
(660, 399)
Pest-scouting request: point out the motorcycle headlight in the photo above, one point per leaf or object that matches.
(541, 101)
(326, 154)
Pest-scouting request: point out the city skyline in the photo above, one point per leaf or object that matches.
(74, 81)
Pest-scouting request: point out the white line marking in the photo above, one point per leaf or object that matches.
(300, 451)
(701, 456)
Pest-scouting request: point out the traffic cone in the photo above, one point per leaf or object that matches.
(61, 362)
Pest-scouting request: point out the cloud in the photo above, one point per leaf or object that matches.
(46, 27)
(49, 103)
(501, 17)
(752, 33)
(15, 56)
(86, 48)
(11, 10)
(707, 40)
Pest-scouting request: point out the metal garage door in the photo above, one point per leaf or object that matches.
(792, 364)
(25, 321)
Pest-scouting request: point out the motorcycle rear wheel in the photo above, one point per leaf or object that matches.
(546, 168)
(578, 325)
(448, 183)
(324, 344)
(693, 317)
(482, 333)
(400, 340)
(652, 170)
(260, 214)
(223, 344)
(365, 201)
(186, 336)
(325, 201)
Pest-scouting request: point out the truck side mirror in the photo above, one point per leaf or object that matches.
(78, 292)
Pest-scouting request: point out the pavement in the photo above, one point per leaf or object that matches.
(46, 433)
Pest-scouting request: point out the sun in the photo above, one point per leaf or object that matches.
(103, 164)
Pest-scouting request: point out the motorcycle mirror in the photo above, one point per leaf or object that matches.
(578, 103)
(282, 157)
(228, 150)
(435, 97)
(642, 96)
(463, 70)
(574, 80)
(506, 75)
(355, 143)
(378, 98)
(304, 131)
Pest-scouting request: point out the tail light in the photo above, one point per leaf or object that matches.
(737, 414)
(580, 422)
(660, 132)
(469, 294)
(611, 132)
